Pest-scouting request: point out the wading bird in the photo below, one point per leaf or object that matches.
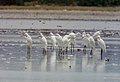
(96, 34)
(66, 42)
(91, 44)
(59, 41)
(72, 40)
(102, 45)
(29, 43)
(85, 41)
(43, 41)
(53, 40)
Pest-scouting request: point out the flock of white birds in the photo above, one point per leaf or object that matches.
(68, 40)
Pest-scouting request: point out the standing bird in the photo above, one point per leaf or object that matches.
(29, 43)
(59, 41)
(72, 41)
(66, 41)
(96, 34)
(91, 43)
(43, 41)
(53, 40)
(102, 45)
(85, 41)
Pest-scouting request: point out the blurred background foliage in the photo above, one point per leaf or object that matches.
(99, 3)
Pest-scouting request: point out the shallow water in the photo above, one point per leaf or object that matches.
(14, 65)
(58, 24)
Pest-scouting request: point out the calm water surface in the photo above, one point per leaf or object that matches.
(14, 66)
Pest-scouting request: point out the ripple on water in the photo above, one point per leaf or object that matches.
(2, 55)
(107, 46)
(22, 58)
(4, 49)
(21, 45)
(114, 64)
(9, 53)
(12, 44)
(115, 47)
(115, 54)
(4, 59)
(7, 62)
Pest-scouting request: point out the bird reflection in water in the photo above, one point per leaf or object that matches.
(29, 52)
(28, 63)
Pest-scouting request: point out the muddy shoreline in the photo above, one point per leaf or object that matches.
(60, 15)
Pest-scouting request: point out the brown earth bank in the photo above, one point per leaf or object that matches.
(61, 14)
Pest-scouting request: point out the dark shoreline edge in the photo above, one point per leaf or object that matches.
(116, 20)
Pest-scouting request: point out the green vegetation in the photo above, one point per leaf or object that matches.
(99, 3)
(82, 2)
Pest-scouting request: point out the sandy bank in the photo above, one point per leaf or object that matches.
(61, 14)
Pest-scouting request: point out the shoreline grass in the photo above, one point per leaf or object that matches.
(69, 8)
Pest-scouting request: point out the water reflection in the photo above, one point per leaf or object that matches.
(29, 50)
(28, 64)
(43, 63)
(17, 56)
(52, 61)
(77, 62)
(28, 61)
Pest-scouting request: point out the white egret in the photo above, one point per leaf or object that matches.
(59, 40)
(66, 41)
(91, 43)
(85, 41)
(72, 41)
(53, 40)
(102, 45)
(96, 34)
(29, 43)
(28, 38)
(43, 41)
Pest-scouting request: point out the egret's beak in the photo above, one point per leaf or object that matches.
(23, 33)
(38, 32)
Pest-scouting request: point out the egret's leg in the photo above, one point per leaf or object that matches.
(84, 50)
(52, 48)
(59, 52)
(43, 51)
(66, 50)
(91, 52)
(101, 54)
(71, 48)
(63, 52)
(28, 52)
